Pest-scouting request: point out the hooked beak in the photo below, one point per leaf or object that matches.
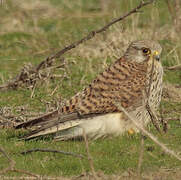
(156, 55)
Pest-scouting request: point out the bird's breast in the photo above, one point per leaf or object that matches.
(156, 79)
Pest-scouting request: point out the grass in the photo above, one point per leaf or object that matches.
(42, 28)
(112, 156)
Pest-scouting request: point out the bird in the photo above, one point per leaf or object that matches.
(130, 80)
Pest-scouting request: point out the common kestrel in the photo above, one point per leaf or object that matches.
(93, 111)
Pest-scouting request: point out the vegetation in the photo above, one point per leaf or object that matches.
(32, 30)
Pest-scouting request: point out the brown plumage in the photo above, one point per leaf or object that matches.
(93, 110)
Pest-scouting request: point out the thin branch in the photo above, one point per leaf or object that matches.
(52, 150)
(173, 68)
(33, 72)
(172, 119)
(11, 162)
(145, 132)
(25, 172)
(12, 168)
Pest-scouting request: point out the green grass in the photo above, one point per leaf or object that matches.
(34, 36)
(112, 155)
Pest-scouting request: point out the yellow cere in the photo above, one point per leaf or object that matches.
(156, 53)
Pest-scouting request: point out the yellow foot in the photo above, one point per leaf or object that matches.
(131, 131)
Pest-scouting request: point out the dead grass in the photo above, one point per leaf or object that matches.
(171, 92)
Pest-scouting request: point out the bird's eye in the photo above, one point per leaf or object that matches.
(146, 51)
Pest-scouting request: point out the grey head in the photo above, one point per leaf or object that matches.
(140, 51)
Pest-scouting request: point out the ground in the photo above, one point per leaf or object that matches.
(30, 31)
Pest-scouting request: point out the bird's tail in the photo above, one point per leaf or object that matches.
(52, 123)
(38, 121)
(65, 130)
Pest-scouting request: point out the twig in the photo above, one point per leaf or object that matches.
(89, 156)
(172, 118)
(52, 150)
(49, 60)
(25, 172)
(145, 132)
(52, 93)
(6, 155)
(12, 164)
(173, 68)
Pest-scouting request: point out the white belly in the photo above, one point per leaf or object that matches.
(99, 126)
(105, 125)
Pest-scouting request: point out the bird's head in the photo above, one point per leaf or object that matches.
(143, 50)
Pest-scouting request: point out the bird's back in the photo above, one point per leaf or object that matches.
(123, 81)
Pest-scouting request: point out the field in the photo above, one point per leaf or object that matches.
(30, 31)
